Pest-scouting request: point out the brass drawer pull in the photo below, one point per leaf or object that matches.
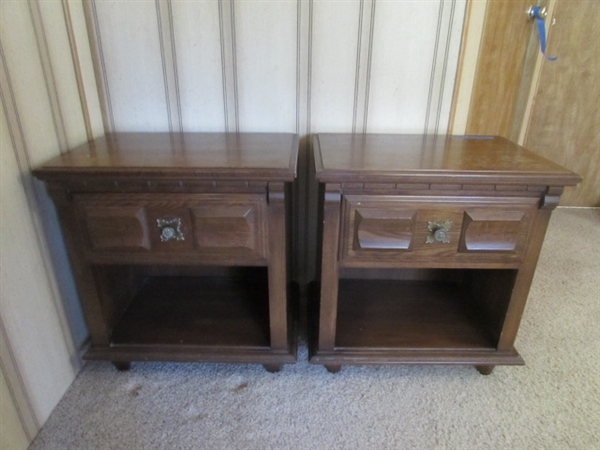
(439, 232)
(170, 229)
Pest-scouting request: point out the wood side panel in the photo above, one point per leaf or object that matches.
(523, 281)
(329, 267)
(278, 266)
(85, 281)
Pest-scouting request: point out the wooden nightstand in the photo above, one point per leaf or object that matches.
(427, 247)
(180, 245)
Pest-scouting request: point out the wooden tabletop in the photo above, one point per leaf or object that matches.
(427, 158)
(264, 156)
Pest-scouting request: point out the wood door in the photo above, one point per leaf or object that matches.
(564, 124)
(550, 107)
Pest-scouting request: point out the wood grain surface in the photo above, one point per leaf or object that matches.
(499, 68)
(454, 159)
(565, 120)
(267, 156)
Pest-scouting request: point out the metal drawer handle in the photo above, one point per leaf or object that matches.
(439, 232)
(170, 229)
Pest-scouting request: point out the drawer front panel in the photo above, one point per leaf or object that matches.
(383, 230)
(168, 227)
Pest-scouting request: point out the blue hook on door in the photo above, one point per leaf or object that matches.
(539, 14)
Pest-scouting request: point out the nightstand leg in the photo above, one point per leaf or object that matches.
(485, 370)
(333, 368)
(122, 366)
(272, 368)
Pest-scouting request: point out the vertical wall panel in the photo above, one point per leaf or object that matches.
(168, 53)
(83, 64)
(196, 29)
(40, 313)
(474, 18)
(445, 63)
(364, 57)
(28, 87)
(64, 74)
(266, 51)
(334, 50)
(403, 48)
(12, 434)
(27, 306)
(28, 80)
(133, 65)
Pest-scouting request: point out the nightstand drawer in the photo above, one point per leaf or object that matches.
(383, 231)
(182, 228)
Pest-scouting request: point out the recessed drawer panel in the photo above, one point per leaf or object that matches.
(179, 227)
(380, 230)
(385, 229)
(492, 230)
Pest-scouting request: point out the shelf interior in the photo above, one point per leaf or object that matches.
(449, 311)
(212, 311)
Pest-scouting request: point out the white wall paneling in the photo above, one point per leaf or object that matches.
(12, 433)
(27, 100)
(334, 34)
(471, 41)
(266, 54)
(199, 68)
(28, 81)
(444, 65)
(30, 309)
(44, 57)
(36, 121)
(83, 69)
(129, 45)
(19, 397)
(364, 54)
(305, 66)
(42, 115)
(415, 55)
(229, 65)
(168, 53)
(56, 30)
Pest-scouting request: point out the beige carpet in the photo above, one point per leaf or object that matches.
(551, 403)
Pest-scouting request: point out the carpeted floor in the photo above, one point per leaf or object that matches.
(551, 403)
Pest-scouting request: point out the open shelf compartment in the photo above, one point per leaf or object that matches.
(185, 313)
(422, 310)
(207, 311)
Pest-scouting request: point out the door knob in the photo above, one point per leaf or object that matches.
(537, 12)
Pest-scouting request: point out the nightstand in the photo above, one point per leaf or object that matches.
(180, 245)
(427, 246)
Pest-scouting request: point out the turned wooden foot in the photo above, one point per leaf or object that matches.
(122, 366)
(333, 368)
(485, 370)
(272, 368)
